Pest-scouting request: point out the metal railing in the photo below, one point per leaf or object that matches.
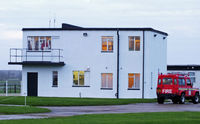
(10, 88)
(25, 55)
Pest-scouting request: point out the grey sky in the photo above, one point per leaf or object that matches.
(179, 18)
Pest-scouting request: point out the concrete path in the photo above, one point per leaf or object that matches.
(131, 108)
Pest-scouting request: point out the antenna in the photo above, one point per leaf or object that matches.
(54, 21)
(49, 23)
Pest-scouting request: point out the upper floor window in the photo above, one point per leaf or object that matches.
(78, 78)
(107, 44)
(134, 43)
(37, 43)
(134, 81)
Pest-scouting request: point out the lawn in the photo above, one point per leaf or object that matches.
(133, 118)
(61, 101)
(21, 110)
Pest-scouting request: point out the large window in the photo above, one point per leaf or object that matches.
(55, 78)
(107, 80)
(167, 81)
(134, 81)
(78, 78)
(192, 76)
(37, 43)
(107, 44)
(181, 81)
(134, 43)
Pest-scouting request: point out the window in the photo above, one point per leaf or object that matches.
(107, 80)
(133, 80)
(181, 82)
(159, 81)
(78, 78)
(55, 78)
(134, 43)
(192, 76)
(175, 82)
(188, 82)
(107, 44)
(36, 43)
(167, 81)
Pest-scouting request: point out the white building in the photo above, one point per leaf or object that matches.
(74, 61)
(192, 70)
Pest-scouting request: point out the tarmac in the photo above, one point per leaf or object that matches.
(81, 110)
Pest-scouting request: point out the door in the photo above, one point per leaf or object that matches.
(32, 83)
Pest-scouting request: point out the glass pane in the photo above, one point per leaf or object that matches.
(29, 43)
(75, 78)
(104, 45)
(167, 81)
(192, 79)
(130, 80)
(103, 80)
(137, 80)
(110, 45)
(137, 43)
(55, 78)
(81, 78)
(131, 43)
(48, 43)
(191, 73)
(110, 80)
(188, 82)
(175, 81)
(36, 43)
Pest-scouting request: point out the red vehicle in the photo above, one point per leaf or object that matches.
(176, 87)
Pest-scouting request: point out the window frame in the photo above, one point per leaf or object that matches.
(107, 81)
(84, 83)
(107, 43)
(134, 43)
(135, 83)
(54, 73)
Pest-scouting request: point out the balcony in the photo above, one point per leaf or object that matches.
(20, 56)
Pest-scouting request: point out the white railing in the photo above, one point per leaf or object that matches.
(18, 55)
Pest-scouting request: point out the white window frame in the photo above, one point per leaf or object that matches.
(107, 40)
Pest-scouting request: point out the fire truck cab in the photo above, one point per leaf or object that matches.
(176, 87)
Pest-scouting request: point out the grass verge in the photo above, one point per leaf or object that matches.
(133, 118)
(21, 110)
(58, 101)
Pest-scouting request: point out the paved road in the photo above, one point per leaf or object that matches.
(131, 108)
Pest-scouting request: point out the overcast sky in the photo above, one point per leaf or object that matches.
(179, 18)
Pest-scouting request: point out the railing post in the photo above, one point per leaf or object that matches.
(42, 55)
(26, 54)
(16, 55)
(59, 55)
(6, 88)
(10, 54)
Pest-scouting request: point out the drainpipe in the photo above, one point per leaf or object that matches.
(117, 94)
(143, 65)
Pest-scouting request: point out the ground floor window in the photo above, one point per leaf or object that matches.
(80, 78)
(55, 78)
(134, 81)
(107, 80)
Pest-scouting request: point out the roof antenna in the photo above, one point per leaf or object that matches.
(54, 21)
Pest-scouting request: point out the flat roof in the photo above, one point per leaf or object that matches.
(73, 27)
(183, 67)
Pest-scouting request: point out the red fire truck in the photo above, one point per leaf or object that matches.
(176, 87)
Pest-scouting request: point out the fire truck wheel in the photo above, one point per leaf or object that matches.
(160, 100)
(182, 99)
(195, 100)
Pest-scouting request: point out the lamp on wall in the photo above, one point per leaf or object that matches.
(85, 34)
(155, 35)
(164, 37)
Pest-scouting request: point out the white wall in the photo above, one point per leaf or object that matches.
(82, 52)
(155, 61)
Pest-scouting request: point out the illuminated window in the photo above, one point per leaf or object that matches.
(134, 43)
(106, 80)
(107, 43)
(39, 43)
(55, 78)
(133, 80)
(78, 78)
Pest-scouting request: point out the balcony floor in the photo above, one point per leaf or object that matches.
(44, 63)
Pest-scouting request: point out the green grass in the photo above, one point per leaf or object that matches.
(57, 101)
(134, 118)
(21, 110)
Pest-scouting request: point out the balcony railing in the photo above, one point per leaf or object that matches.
(25, 56)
